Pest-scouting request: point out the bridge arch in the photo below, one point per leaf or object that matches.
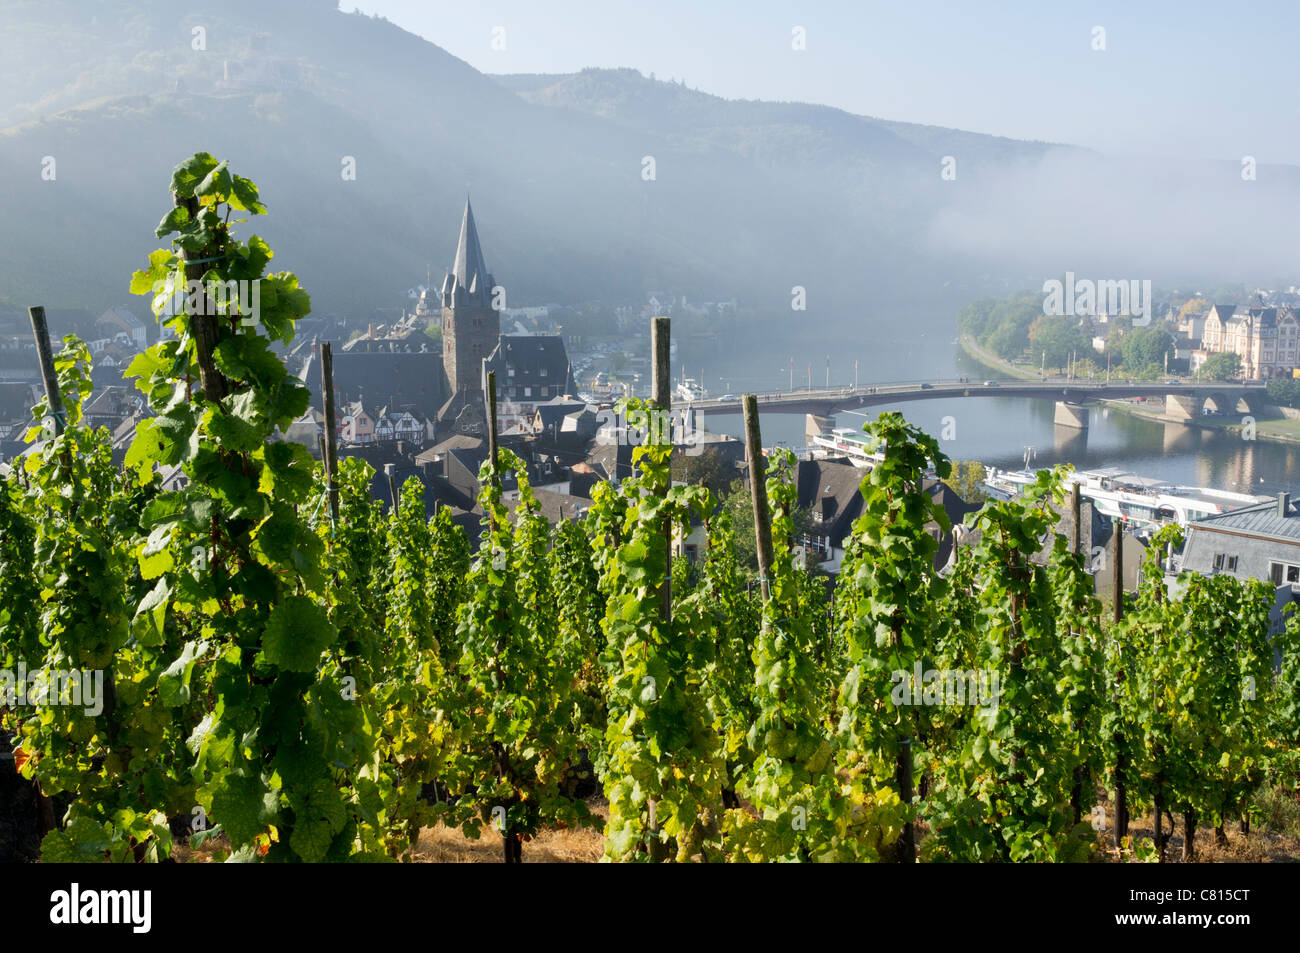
(1218, 402)
(1252, 403)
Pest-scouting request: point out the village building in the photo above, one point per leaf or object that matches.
(355, 425)
(1255, 542)
(117, 321)
(1267, 340)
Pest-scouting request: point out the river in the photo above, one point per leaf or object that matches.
(996, 431)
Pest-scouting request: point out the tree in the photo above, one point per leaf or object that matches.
(966, 480)
(1220, 367)
(708, 468)
(1008, 340)
(1086, 367)
(1284, 391)
(1008, 323)
(973, 319)
(1056, 339)
(739, 504)
(1145, 346)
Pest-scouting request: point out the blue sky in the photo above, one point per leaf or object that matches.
(1213, 80)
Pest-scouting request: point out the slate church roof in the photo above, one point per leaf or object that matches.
(537, 360)
(398, 379)
(468, 282)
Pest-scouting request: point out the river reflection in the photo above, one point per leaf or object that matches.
(997, 431)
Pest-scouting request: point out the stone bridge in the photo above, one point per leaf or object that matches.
(1183, 400)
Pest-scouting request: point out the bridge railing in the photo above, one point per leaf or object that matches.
(1076, 383)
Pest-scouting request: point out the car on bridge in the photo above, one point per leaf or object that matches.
(728, 398)
(927, 387)
(990, 383)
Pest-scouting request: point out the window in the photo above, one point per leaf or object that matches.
(1225, 563)
(1284, 573)
(542, 372)
(528, 392)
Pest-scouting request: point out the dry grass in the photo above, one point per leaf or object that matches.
(445, 845)
(1261, 846)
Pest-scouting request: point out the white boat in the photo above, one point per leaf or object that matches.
(847, 442)
(1143, 504)
(688, 390)
(860, 449)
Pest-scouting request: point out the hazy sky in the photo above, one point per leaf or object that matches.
(1192, 78)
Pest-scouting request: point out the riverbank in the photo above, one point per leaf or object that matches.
(988, 359)
(1275, 427)
(1272, 425)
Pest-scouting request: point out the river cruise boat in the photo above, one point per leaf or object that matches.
(1143, 504)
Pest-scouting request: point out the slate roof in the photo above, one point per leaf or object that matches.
(529, 355)
(436, 491)
(611, 461)
(16, 400)
(830, 490)
(468, 282)
(459, 441)
(554, 506)
(1261, 520)
(1261, 317)
(556, 409)
(114, 402)
(399, 379)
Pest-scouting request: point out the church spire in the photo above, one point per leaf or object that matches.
(468, 268)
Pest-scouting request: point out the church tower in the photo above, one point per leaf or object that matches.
(470, 326)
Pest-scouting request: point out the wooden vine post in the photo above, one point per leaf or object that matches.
(331, 428)
(490, 397)
(1076, 517)
(203, 324)
(1076, 545)
(41, 331)
(1117, 615)
(390, 472)
(660, 422)
(758, 491)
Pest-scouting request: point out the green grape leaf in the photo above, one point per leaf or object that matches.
(296, 634)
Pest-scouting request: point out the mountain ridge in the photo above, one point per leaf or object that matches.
(750, 199)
